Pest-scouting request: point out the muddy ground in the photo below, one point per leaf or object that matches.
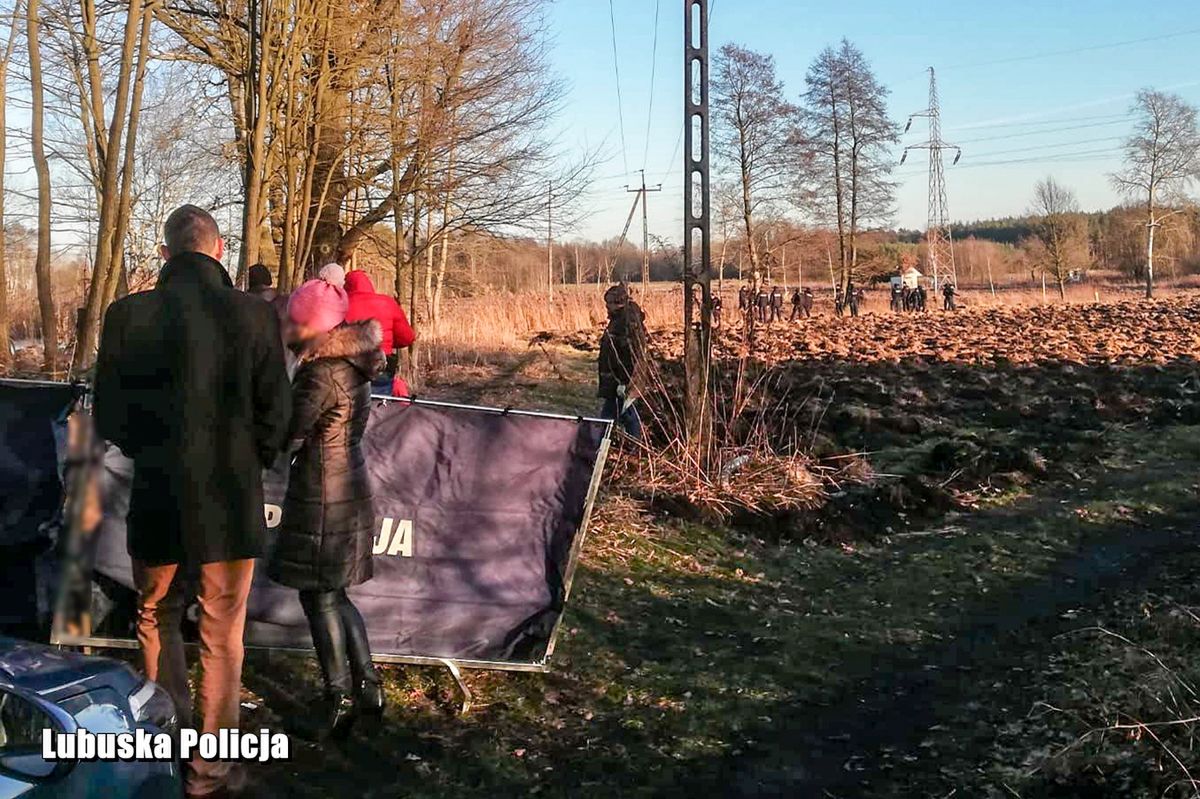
(1009, 607)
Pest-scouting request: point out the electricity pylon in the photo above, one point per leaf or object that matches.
(937, 234)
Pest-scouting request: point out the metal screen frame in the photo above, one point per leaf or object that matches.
(58, 637)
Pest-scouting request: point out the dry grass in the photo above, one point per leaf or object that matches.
(486, 330)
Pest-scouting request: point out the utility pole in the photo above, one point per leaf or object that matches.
(550, 240)
(697, 239)
(937, 234)
(645, 230)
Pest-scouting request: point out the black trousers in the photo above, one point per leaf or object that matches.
(340, 638)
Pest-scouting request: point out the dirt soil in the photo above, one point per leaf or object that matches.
(1011, 608)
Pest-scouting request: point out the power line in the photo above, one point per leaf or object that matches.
(1049, 131)
(1072, 51)
(674, 154)
(612, 18)
(712, 4)
(653, 65)
(1057, 146)
(1042, 122)
(1076, 157)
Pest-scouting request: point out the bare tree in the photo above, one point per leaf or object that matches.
(5, 344)
(1162, 158)
(41, 164)
(753, 128)
(848, 136)
(1060, 231)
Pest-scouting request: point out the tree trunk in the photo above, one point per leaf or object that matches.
(1150, 228)
(37, 146)
(117, 277)
(5, 340)
(107, 225)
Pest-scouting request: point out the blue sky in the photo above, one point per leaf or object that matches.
(994, 90)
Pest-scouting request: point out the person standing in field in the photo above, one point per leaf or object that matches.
(797, 303)
(398, 334)
(325, 537)
(190, 384)
(776, 303)
(621, 362)
(948, 296)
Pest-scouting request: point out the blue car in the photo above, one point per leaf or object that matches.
(46, 688)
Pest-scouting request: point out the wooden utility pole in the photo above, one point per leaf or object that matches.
(641, 192)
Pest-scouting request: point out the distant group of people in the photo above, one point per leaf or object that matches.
(193, 385)
(766, 304)
(916, 299)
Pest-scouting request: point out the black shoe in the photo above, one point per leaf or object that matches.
(340, 716)
(369, 702)
(332, 720)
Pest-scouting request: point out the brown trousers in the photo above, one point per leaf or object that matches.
(221, 593)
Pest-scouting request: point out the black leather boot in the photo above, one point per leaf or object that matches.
(340, 716)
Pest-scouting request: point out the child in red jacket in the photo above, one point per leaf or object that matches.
(365, 303)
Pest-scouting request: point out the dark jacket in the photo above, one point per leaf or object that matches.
(622, 350)
(271, 296)
(328, 525)
(190, 384)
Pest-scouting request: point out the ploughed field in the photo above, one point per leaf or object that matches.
(943, 409)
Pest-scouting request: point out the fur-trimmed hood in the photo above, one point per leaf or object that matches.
(356, 342)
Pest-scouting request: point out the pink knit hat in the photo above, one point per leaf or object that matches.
(319, 305)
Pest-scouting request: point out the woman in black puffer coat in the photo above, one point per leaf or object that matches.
(325, 539)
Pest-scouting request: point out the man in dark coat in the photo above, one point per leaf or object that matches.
(797, 305)
(744, 300)
(948, 295)
(776, 303)
(762, 303)
(806, 302)
(190, 384)
(622, 356)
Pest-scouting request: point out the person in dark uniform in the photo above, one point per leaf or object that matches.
(762, 303)
(922, 298)
(776, 303)
(717, 305)
(839, 302)
(744, 300)
(852, 297)
(622, 351)
(797, 305)
(897, 298)
(806, 303)
(948, 294)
